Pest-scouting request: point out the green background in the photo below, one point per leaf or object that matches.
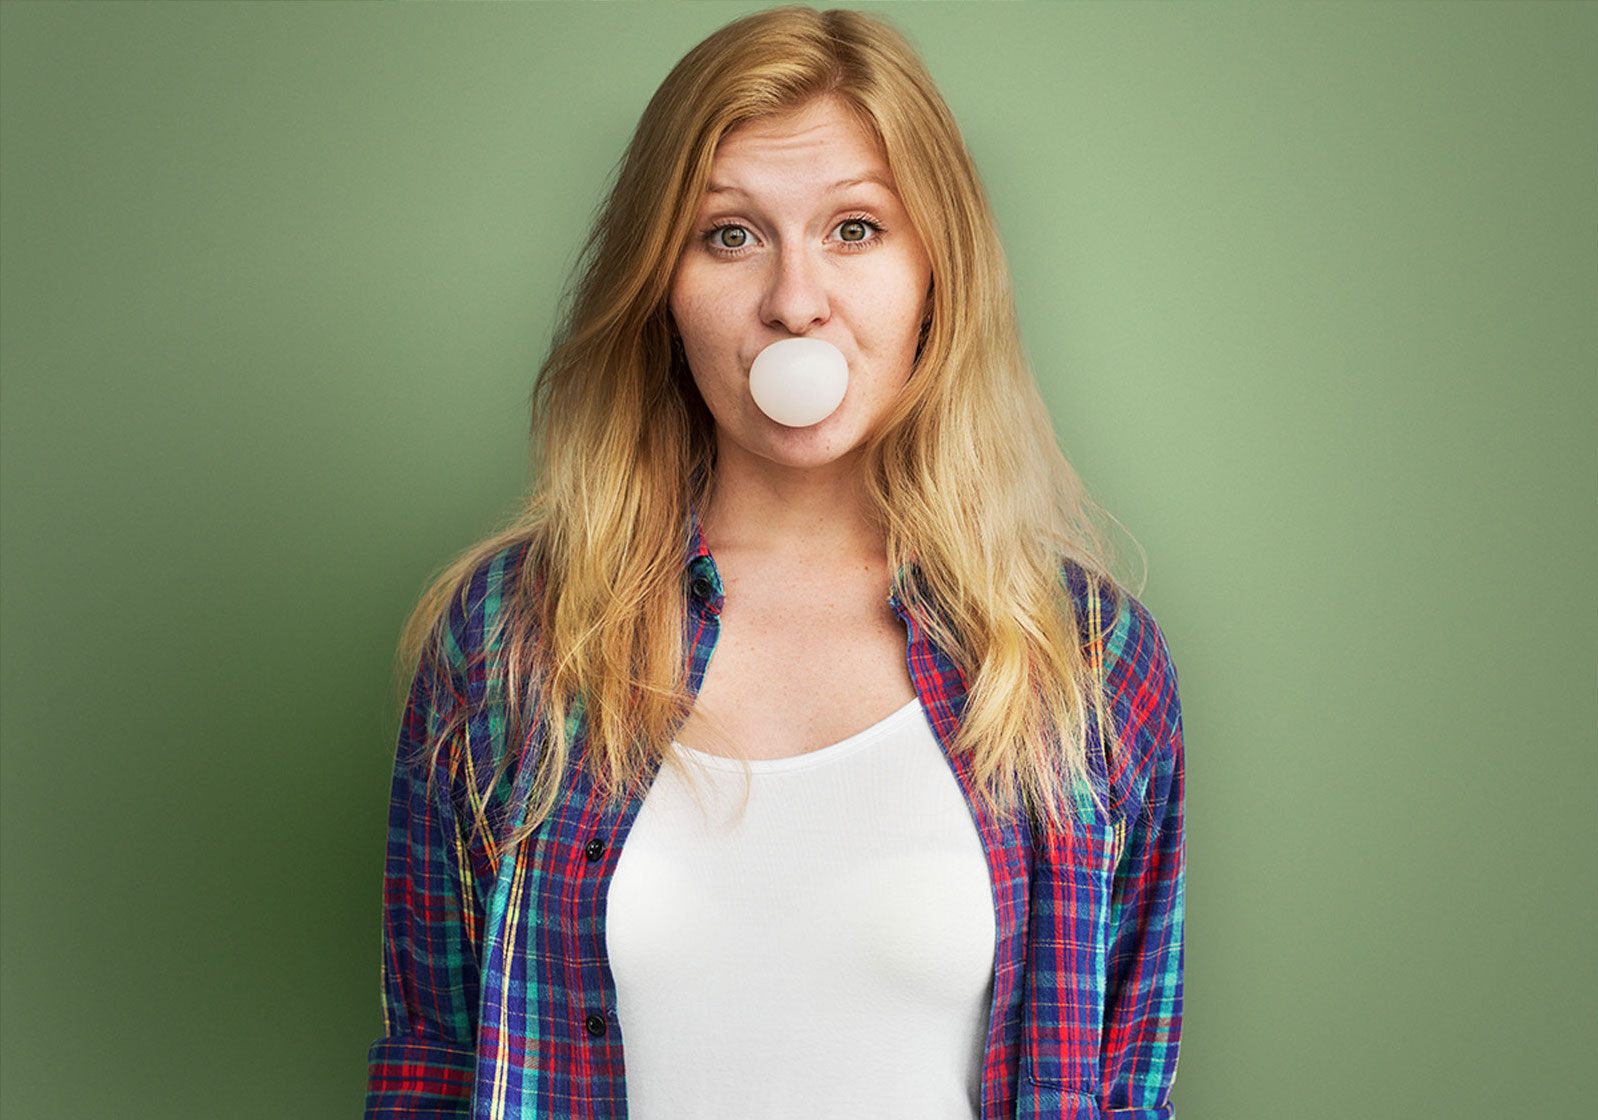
(1311, 293)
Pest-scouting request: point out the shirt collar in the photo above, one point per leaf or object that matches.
(702, 579)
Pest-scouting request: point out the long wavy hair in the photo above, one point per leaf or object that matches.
(979, 508)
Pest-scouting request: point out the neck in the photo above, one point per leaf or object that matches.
(806, 514)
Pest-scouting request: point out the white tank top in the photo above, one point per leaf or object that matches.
(828, 953)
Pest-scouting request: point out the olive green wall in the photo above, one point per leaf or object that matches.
(1311, 292)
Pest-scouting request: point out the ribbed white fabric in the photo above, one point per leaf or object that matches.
(826, 955)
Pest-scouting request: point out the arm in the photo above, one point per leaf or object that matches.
(423, 1065)
(1143, 991)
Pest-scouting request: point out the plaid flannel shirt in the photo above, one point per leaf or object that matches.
(498, 1000)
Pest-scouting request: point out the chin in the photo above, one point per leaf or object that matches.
(811, 449)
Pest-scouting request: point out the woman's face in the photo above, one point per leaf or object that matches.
(800, 234)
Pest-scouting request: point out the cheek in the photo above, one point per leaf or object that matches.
(695, 311)
(910, 284)
(906, 324)
(703, 342)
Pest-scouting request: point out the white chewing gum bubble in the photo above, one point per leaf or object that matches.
(799, 381)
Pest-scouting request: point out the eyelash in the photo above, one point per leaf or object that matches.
(877, 230)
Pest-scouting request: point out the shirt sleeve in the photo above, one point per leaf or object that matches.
(432, 918)
(1143, 988)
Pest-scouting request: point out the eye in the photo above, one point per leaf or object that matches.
(728, 237)
(857, 233)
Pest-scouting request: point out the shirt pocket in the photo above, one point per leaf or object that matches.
(1067, 939)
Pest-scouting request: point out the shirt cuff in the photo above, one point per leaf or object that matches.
(1066, 1105)
(418, 1079)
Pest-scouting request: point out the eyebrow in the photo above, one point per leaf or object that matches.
(841, 184)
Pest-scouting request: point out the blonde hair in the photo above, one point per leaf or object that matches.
(979, 508)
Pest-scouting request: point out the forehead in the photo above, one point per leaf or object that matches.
(823, 137)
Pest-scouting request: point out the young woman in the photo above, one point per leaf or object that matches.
(822, 769)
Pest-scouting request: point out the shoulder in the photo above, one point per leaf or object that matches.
(1117, 628)
(1130, 656)
(471, 626)
(462, 706)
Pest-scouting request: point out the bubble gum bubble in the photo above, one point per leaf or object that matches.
(799, 381)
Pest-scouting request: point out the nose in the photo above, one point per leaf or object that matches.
(796, 296)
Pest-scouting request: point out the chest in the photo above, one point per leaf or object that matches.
(546, 927)
(765, 934)
(799, 665)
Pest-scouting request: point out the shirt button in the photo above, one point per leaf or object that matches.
(595, 1025)
(594, 849)
(702, 587)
